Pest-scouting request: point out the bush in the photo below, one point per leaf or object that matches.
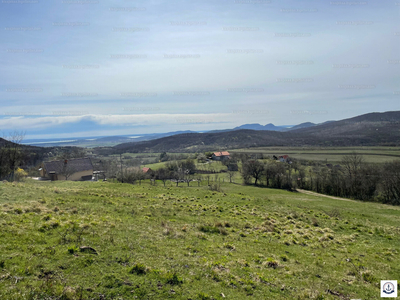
(271, 263)
(215, 187)
(203, 296)
(72, 249)
(20, 175)
(209, 229)
(284, 258)
(138, 269)
(368, 277)
(173, 279)
(334, 213)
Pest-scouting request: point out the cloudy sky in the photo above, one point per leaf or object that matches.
(76, 68)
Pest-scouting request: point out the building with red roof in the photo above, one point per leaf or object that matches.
(220, 155)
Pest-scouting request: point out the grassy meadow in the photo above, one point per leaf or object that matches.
(155, 242)
(331, 155)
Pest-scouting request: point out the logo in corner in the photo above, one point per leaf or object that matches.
(389, 288)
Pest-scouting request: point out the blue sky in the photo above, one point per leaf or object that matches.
(77, 68)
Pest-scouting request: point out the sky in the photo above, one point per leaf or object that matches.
(77, 68)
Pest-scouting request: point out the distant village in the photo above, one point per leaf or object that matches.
(82, 169)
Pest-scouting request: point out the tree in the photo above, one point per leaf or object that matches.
(301, 177)
(199, 179)
(269, 172)
(11, 154)
(208, 176)
(67, 170)
(188, 165)
(163, 174)
(390, 175)
(352, 165)
(186, 176)
(140, 175)
(231, 174)
(163, 156)
(252, 168)
(176, 176)
(201, 158)
(109, 167)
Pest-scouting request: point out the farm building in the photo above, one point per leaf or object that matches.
(220, 155)
(76, 169)
(284, 158)
(146, 170)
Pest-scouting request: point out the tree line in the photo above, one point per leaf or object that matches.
(353, 178)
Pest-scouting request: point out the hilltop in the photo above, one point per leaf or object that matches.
(369, 129)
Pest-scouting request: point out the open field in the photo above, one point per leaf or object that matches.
(216, 166)
(331, 155)
(184, 242)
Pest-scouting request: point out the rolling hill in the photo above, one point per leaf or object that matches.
(374, 129)
(381, 129)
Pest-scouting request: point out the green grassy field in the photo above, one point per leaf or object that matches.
(331, 155)
(152, 242)
(217, 166)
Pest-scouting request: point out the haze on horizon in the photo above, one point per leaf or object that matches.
(76, 68)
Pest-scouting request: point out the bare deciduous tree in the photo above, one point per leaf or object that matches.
(11, 153)
(67, 170)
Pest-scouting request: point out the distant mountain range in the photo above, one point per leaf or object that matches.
(374, 129)
(269, 126)
(109, 141)
(368, 129)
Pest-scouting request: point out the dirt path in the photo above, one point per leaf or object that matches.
(378, 205)
(322, 195)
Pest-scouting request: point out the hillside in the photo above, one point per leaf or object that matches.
(369, 129)
(151, 242)
(302, 125)
(376, 129)
(207, 141)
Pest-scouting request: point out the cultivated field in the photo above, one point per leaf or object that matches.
(330, 155)
(151, 242)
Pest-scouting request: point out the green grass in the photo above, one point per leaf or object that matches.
(211, 165)
(331, 155)
(151, 242)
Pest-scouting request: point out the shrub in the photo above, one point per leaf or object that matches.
(284, 258)
(223, 231)
(334, 213)
(271, 263)
(18, 211)
(215, 187)
(209, 229)
(138, 269)
(203, 296)
(173, 279)
(47, 217)
(72, 249)
(229, 246)
(20, 175)
(368, 277)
